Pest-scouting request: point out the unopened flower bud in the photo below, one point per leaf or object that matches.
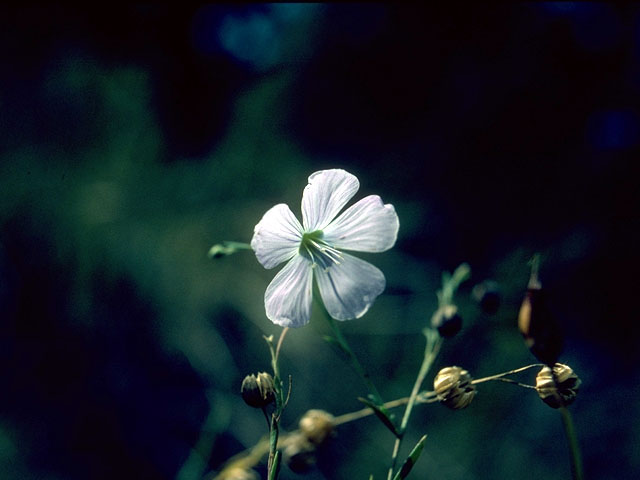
(447, 320)
(316, 426)
(487, 295)
(258, 392)
(453, 387)
(559, 391)
(300, 454)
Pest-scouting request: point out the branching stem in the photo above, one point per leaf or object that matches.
(434, 341)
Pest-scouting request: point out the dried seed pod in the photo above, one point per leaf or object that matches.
(447, 320)
(238, 473)
(539, 327)
(453, 387)
(300, 454)
(487, 294)
(316, 426)
(258, 392)
(561, 390)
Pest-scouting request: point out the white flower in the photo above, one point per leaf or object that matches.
(348, 286)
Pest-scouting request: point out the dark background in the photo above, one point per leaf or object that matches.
(134, 138)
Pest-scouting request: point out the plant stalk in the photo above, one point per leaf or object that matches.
(434, 341)
(574, 448)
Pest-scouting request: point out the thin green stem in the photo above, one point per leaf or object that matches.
(574, 448)
(275, 468)
(513, 382)
(499, 376)
(434, 341)
(273, 464)
(276, 354)
(355, 363)
(451, 282)
(273, 445)
(365, 412)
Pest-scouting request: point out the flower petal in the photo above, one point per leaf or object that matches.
(325, 195)
(276, 238)
(349, 288)
(288, 296)
(366, 226)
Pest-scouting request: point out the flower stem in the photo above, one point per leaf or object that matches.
(365, 412)
(500, 376)
(355, 363)
(273, 464)
(273, 446)
(576, 458)
(276, 355)
(434, 341)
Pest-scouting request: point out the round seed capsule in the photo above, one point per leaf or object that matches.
(258, 391)
(559, 391)
(447, 320)
(316, 426)
(487, 294)
(453, 387)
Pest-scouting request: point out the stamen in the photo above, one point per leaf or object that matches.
(319, 251)
(334, 255)
(313, 260)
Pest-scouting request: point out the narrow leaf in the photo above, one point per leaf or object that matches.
(382, 414)
(411, 460)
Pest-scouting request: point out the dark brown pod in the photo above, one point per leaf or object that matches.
(539, 327)
(447, 320)
(487, 294)
(258, 391)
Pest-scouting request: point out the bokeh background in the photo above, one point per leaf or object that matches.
(132, 138)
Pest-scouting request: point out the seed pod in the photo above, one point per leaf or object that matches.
(539, 327)
(258, 392)
(487, 295)
(559, 391)
(316, 426)
(447, 320)
(453, 387)
(300, 454)
(238, 473)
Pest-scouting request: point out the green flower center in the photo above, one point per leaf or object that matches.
(318, 251)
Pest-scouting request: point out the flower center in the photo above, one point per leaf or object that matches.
(318, 251)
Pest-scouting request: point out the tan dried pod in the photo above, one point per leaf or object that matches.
(560, 391)
(453, 387)
(316, 426)
(239, 473)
